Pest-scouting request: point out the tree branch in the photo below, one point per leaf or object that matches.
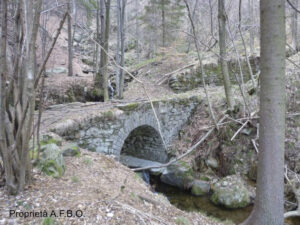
(297, 10)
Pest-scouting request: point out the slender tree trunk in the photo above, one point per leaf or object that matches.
(96, 55)
(118, 60)
(269, 202)
(203, 76)
(252, 24)
(122, 28)
(75, 20)
(137, 31)
(9, 176)
(70, 42)
(99, 75)
(105, 57)
(223, 54)
(294, 26)
(189, 39)
(163, 18)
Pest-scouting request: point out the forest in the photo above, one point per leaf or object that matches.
(150, 112)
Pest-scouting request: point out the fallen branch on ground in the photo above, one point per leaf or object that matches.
(239, 130)
(254, 145)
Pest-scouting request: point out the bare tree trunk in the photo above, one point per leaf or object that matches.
(189, 39)
(99, 75)
(269, 202)
(70, 42)
(211, 112)
(252, 24)
(41, 95)
(244, 44)
(75, 19)
(16, 122)
(105, 58)
(9, 176)
(137, 31)
(163, 23)
(96, 51)
(118, 60)
(294, 27)
(122, 55)
(223, 54)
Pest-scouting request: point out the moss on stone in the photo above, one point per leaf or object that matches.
(52, 168)
(189, 171)
(182, 221)
(129, 107)
(204, 178)
(108, 115)
(184, 101)
(231, 193)
(51, 141)
(95, 94)
(87, 62)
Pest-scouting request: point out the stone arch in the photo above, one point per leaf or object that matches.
(144, 142)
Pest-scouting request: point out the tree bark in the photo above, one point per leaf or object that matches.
(223, 54)
(269, 202)
(70, 42)
(121, 51)
(105, 58)
(16, 122)
(119, 12)
(137, 31)
(294, 26)
(163, 21)
(99, 74)
(252, 24)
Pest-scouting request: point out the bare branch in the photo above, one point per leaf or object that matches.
(297, 10)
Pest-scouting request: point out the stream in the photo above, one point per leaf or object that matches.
(187, 202)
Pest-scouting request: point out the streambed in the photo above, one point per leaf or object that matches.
(187, 202)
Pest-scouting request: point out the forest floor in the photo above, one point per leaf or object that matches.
(105, 191)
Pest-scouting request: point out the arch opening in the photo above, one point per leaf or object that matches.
(144, 142)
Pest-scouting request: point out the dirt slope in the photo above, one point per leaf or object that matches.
(104, 190)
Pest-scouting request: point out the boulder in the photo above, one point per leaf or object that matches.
(179, 174)
(231, 193)
(200, 187)
(52, 162)
(212, 162)
(51, 138)
(78, 37)
(71, 149)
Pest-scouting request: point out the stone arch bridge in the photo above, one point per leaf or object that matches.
(130, 129)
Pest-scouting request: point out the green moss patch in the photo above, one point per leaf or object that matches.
(129, 107)
(52, 168)
(108, 115)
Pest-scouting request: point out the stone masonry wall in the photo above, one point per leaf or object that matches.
(108, 131)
